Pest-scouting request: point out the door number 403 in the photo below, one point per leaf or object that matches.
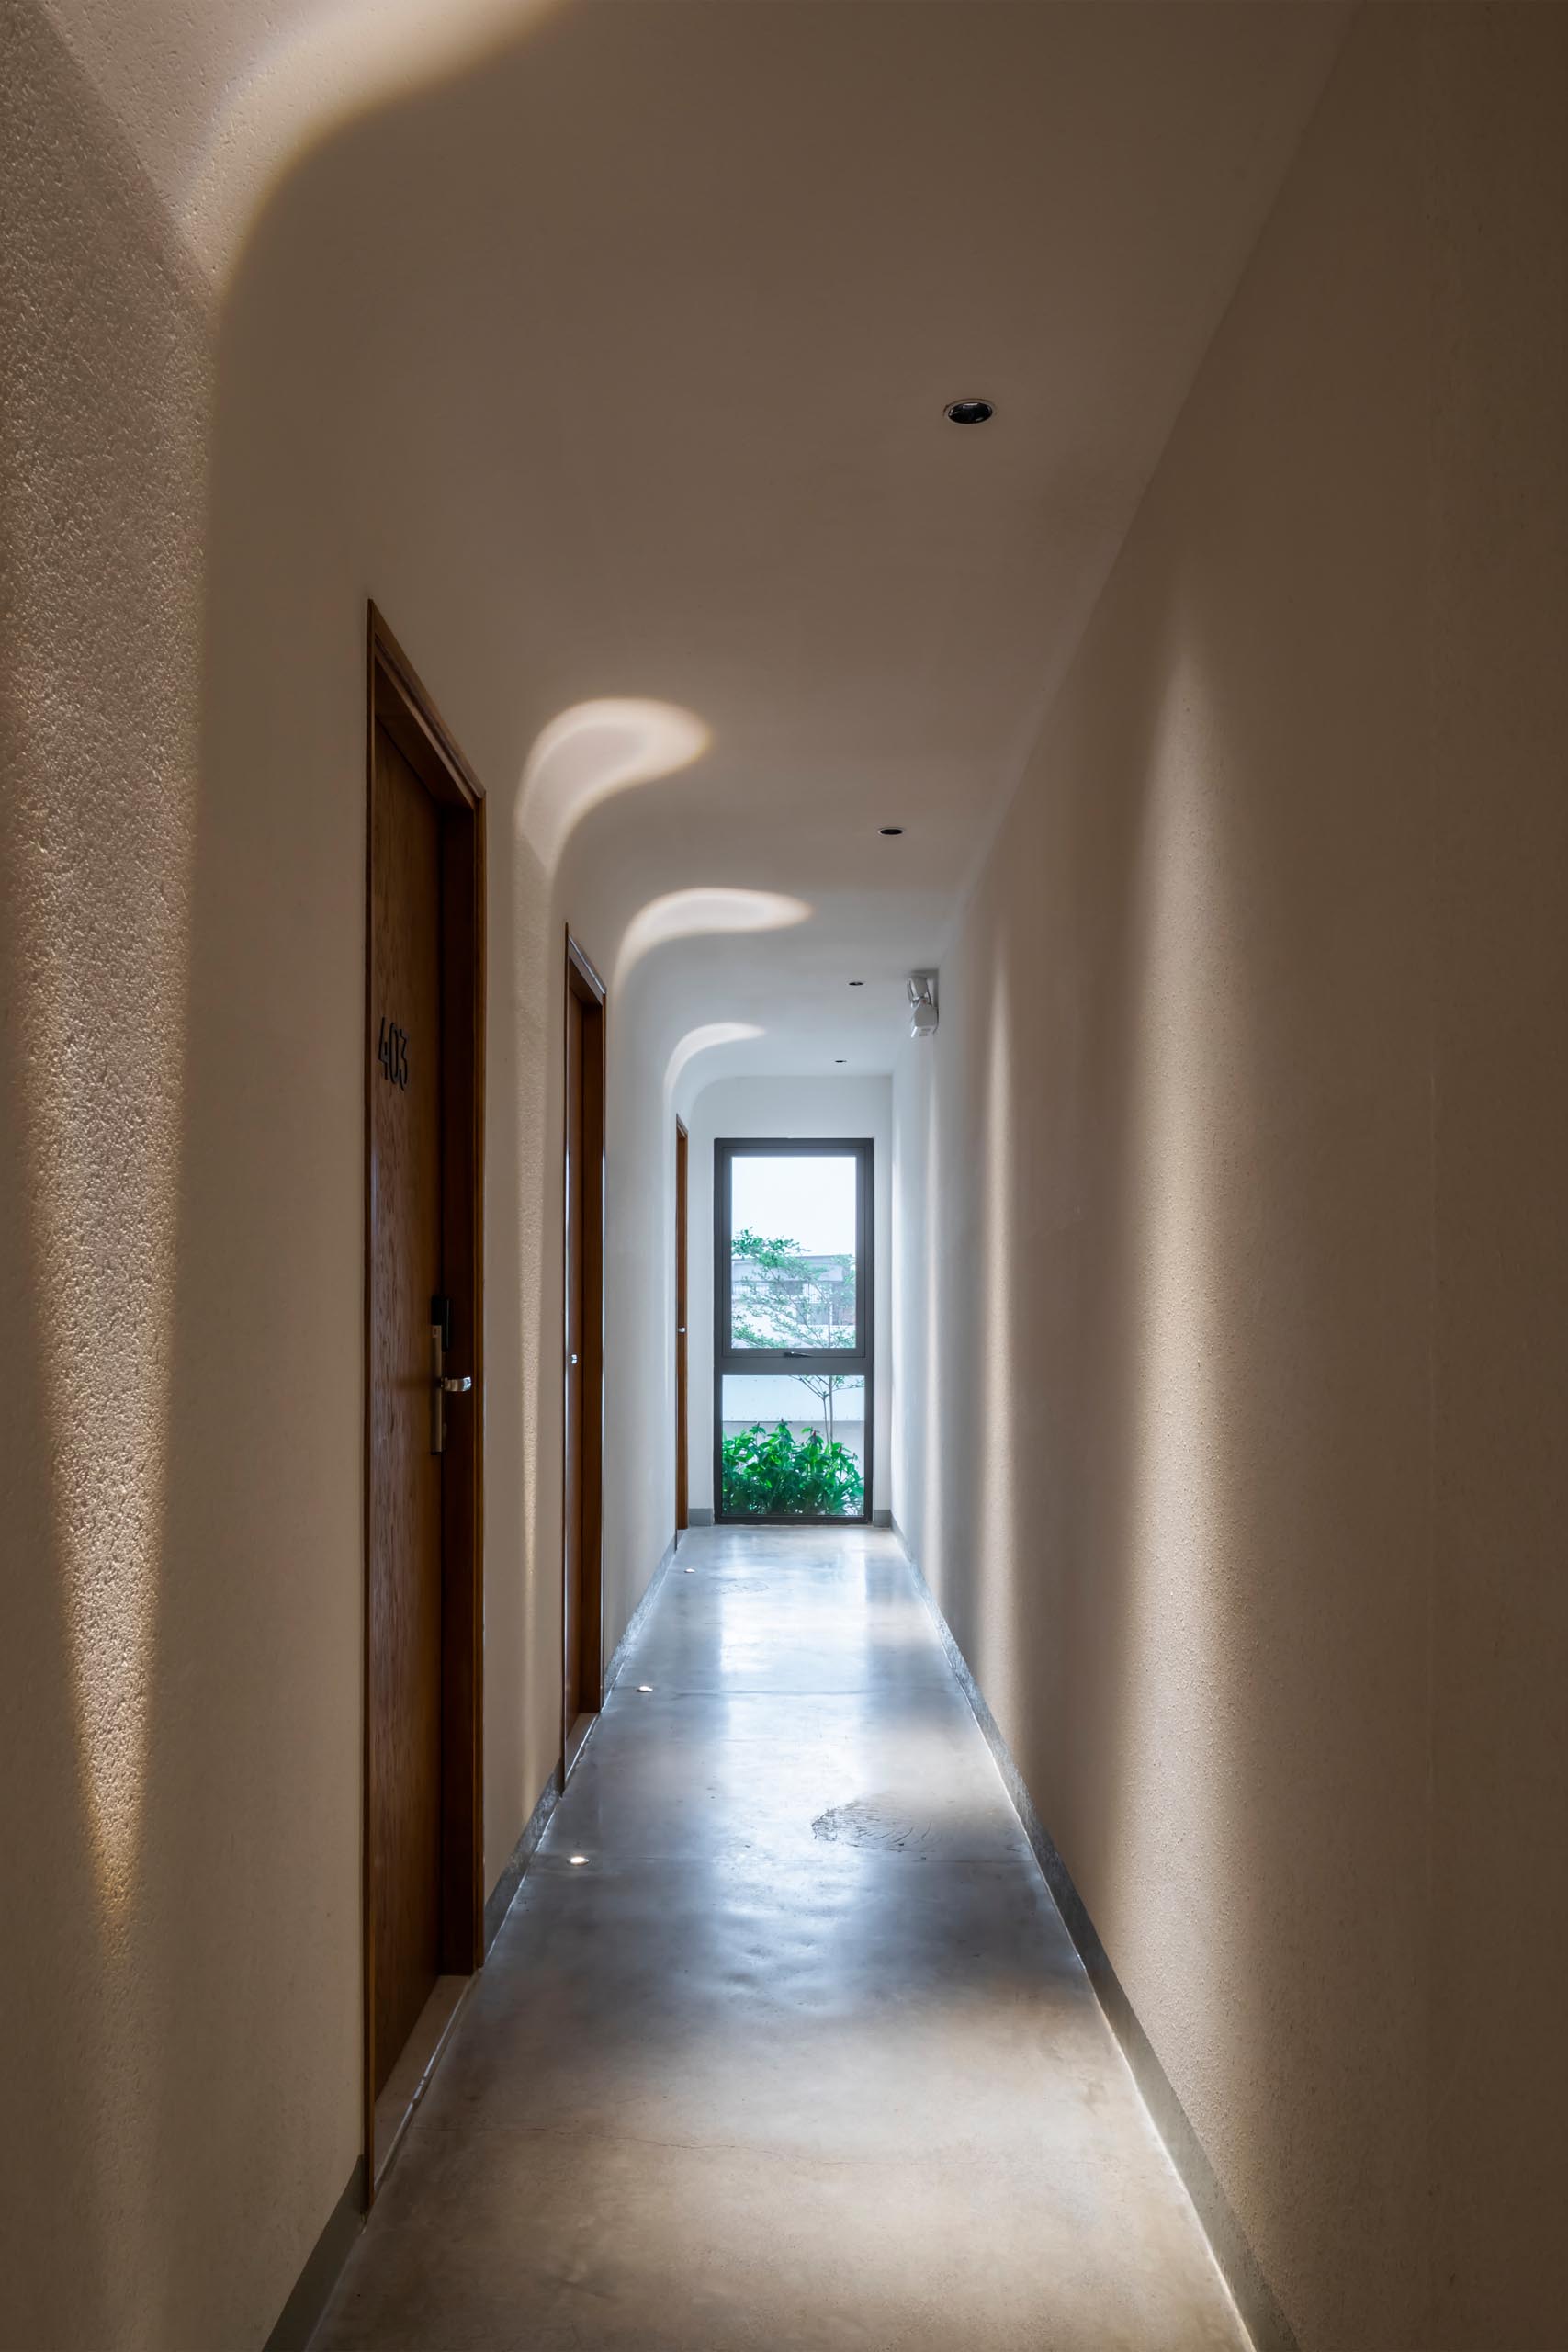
(392, 1052)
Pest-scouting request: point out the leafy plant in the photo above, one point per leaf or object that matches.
(771, 1474)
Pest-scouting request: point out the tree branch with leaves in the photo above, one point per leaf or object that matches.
(807, 1301)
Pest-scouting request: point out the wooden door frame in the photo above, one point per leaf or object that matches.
(584, 983)
(396, 701)
(682, 1318)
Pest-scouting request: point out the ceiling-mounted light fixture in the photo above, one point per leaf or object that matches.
(857, 984)
(890, 832)
(922, 1004)
(968, 412)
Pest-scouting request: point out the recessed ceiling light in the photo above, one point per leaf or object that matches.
(644, 1687)
(857, 984)
(889, 833)
(577, 1861)
(839, 1060)
(968, 412)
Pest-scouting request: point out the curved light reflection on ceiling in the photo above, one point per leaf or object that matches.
(596, 749)
(703, 1041)
(324, 70)
(696, 914)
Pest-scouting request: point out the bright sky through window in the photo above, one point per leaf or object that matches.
(808, 1202)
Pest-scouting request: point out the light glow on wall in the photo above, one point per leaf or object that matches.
(103, 845)
(703, 913)
(935, 1310)
(321, 70)
(704, 1040)
(1185, 1079)
(1000, 1435)
(594, 749)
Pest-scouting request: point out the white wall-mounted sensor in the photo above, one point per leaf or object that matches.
(922, 1004)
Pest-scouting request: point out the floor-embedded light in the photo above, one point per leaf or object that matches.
(968, 412)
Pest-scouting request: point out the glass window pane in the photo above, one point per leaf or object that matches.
(791, 1250)
(793, 1445)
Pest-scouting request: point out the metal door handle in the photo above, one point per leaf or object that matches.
(574, 1359)
(680, 1331)
(441, 1383)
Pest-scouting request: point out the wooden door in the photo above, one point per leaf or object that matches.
(423, 1891)
(582, 1491)
(576, 1208)
(406, 1494)
(680, 1433)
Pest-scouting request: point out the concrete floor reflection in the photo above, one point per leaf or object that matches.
(801, 2055)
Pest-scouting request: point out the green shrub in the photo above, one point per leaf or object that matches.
(771, 1474)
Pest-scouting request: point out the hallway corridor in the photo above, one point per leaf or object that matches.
(799, 2054)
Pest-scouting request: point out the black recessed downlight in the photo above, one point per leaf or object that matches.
(968, 412)
(857, 984)
(839, 1060)
(889, 833)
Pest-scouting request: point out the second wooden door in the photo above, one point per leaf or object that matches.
(584, 1344)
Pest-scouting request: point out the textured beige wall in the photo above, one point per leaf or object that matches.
(180, 1244)
(1231, 1194)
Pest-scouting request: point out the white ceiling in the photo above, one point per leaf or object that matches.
(699, 280)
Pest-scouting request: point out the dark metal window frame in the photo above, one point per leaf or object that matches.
(852, 1363)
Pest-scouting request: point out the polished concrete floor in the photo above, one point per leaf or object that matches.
(800, 2055)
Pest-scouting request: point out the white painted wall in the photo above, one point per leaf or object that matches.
(804, 1107)
(1232, 1344)
(639, 1310)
